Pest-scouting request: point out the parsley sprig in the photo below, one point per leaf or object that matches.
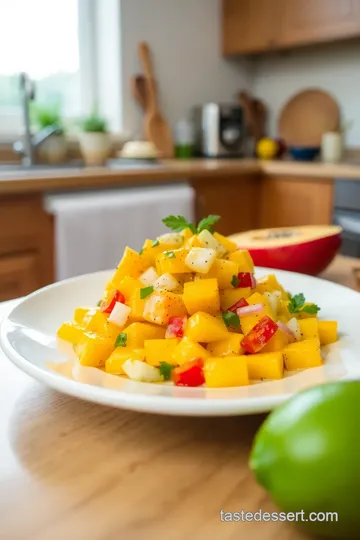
(297, 305)
(165, 370)
(231, 319)
(179, 223)
(121, 340)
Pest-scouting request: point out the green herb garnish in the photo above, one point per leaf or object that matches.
(155, 243)
(179, 223)
(207, 223)
(121, 340)
(146, 291)
(99, 303)
(141, 251)
(165, 370)
(297, 305)
(235, 281)
(169, 254)
(231, 319)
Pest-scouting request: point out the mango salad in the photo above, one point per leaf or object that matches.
(188, 309)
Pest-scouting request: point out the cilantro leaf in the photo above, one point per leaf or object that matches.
(155, 243)
(231, 319)
(146, 291)
(165, 370)
(178, 223)
(311, 309)
(207, 223)
(169, 254)
(121, 340)
(235, 281)
(296, 303)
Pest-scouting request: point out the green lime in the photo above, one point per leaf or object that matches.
(307, 456)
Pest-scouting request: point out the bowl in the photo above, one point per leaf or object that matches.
(304, 153)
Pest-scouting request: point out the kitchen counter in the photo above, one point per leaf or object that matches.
(76, 470)
(171, 170)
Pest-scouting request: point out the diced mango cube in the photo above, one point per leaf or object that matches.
(309, 329)
(187, 234)
(160, 306)
(172, 262)
(284, 313)
(80, 313)
(269, 283)
(152, 249)
(231, 345)
(265, 365)
(226, 371)
(93, 350)
(229, 297)
(137, 333)
(193, 242)
(327, 332)
(95, 321)
(160, 350)
(202, 295)
(188, 350)
(302, 355)
(249, 321)
(131, 265)
(243, 259)
(119, 356)
(71, 331)
(223, 271)
(277, 343)
(204, 328)
(228, 244)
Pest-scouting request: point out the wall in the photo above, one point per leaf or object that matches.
(184, 36)
(334, 68)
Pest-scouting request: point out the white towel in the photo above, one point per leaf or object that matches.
(93, 228)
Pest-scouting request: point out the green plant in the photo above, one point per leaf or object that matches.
(47, 115)
(94, 123)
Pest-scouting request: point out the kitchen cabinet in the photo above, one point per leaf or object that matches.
(254, 26)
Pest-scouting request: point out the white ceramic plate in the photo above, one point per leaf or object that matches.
(28, 339)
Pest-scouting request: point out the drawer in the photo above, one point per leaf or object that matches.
(20, 224)
(19, 275)
(347, 194)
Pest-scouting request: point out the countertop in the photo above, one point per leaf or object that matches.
(171, 170)
(71, 469)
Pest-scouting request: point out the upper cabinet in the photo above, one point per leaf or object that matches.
(254, 26)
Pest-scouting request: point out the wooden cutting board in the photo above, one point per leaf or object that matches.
(307, 116)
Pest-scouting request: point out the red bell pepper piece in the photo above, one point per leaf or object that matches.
(189, 374)
(245, 279)
(258, 336)
(241, 303)
(176, 327)
(108, 304)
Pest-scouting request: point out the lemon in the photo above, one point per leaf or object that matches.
(267, 148)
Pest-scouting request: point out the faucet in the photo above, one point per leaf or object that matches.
(30, 142)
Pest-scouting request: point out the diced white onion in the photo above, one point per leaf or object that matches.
(139, 371)
(200, 259)
(293, 325)
(166, 282)
(119, 314)
(274, 299)
(249, 310)
(171, 239)
(209, 241)
(149, 276)
(284, 328)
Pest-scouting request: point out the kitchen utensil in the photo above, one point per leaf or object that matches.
(307, 116)
(29, 341)
(156, 127)
(332, 146)
(303, 153)
(139, 90)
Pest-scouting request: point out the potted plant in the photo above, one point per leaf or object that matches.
(54, 148)
(94, 140)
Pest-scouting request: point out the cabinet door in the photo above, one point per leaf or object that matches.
(19, 275)
(249, 26)
(312, 21)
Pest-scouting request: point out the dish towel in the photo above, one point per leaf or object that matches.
(93, 228)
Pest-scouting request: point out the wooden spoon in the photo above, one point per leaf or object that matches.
(139, 90)
(156, 127)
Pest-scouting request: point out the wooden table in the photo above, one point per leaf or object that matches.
(73, 470)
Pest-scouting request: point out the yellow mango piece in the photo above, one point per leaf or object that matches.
(150, 252)
(131, 265)
(327, 332)
(223, 271)
(265, 365)
(302, 355)
(71, 332)
(229, 297)
(193, 242)
(228, 244)
(137, 333)
(277, 343)
(93, 350)
(202, 295)
(159, 307)
(284, 313)
(172, 262)
(204, 328)
(187, 234)
(229, 346)
(80, 313)
(249, 321)
(95, 321)
(119, 356)
(160, 350)
(243, 259)
(226, 371)
(270, 283)
(128, 286)
(309, 329)
(188, 350)
(111, 331)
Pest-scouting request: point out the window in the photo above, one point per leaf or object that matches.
(53, 41)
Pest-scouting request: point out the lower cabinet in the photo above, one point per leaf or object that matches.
(19, 275)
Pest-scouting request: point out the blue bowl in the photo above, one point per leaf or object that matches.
(304, 153)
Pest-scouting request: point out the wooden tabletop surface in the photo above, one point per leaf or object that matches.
(78, 471)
